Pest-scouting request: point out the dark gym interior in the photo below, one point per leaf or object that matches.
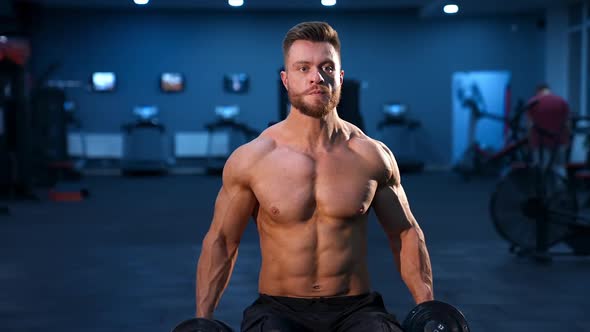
(116, 120)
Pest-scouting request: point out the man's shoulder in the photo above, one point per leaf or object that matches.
(376, 153)
(245, 157)
(365, 145)
(254, 150)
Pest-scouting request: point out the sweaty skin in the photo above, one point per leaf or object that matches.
(309, 182)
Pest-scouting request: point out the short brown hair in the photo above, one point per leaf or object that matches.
(311, 31)
(542, 86)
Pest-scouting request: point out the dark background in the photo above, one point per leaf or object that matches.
(123, 259)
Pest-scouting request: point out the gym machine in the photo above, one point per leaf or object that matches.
(15, 117)
(146, 147)
(396, 121)
(235, 134)
(534, 208)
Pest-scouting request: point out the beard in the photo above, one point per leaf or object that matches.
(318, 109)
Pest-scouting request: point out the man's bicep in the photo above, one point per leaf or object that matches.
(390, 202)
(233, 208)
(235, 201)
(393, 210)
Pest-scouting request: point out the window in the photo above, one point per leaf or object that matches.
(578, 89)
(574, 70)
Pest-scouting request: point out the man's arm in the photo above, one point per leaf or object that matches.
(233, 208)
(406, 239)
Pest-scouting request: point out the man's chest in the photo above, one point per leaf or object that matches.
(294, 187)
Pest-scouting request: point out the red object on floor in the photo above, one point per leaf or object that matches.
(63, 164)
(66, 196)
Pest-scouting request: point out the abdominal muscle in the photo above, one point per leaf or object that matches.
(314, 258)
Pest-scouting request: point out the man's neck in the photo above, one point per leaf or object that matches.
(316, 134)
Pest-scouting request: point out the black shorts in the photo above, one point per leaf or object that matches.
(339, 314)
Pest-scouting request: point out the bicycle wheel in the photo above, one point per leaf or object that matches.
(515, 207)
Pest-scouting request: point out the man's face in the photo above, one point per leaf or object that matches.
(313, 77)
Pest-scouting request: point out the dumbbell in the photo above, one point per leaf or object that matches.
(202, 325)
(431, 316)
(435, 316)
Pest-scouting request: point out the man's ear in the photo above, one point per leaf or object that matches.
(341, 76)
(284, 79)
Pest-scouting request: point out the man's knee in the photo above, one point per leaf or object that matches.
(371, 321)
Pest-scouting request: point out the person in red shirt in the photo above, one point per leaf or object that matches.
(548, 123)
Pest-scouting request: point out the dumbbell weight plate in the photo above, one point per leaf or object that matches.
(201, 325)
(435, 316)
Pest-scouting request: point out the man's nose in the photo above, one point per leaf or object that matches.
(316, 76)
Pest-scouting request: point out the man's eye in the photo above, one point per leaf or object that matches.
(303, 69)
(329, 69)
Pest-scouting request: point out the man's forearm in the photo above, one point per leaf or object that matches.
(213, 273)
(415, 267)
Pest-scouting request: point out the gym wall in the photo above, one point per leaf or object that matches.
(396, 56)
(556, 57)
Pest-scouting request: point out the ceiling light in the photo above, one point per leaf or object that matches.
(328, 3)
(451, 9)
(235, 3)
(141, 2)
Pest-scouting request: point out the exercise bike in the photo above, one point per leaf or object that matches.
(534, 207)
(478, 160)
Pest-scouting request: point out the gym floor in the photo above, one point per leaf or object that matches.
(124, 260)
